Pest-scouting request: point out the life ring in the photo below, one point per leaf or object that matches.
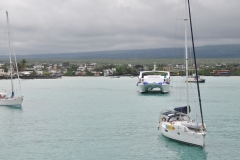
(164, 119)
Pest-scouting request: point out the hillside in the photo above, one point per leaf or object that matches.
(213, 51)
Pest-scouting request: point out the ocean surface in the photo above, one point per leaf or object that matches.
(89, 118)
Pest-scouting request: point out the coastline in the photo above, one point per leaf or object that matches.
(60, 77)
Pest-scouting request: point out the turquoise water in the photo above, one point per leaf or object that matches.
(106, 118)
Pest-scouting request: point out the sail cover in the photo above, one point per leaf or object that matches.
(182, 109)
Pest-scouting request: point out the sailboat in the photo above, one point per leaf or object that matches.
(194, 79)
(10, 99)
(176, 124)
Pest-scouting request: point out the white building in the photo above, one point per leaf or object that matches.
(108, 72)
(81, 69)
(2, 73)
(39, 72)
(53, 71)
(90, 66)
(49, 68)
(38, 67)
(26, 73)
(180, 66)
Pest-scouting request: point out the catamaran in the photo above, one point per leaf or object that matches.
(154, 80)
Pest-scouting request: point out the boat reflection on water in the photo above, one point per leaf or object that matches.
(179, 150)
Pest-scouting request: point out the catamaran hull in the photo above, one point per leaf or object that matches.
(164, 88)
(190, 138)
(11, 102)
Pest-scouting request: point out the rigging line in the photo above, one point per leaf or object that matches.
(10, 54)
(179, 30)
(175, 36)
(176, 41)
(199, 96)
(191, 73)
(14, 53)
(5, 47)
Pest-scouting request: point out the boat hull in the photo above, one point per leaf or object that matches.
(164, 88)
(194, 138)
(194, 80)
(11, 101)
(199, 81)
(151, 80)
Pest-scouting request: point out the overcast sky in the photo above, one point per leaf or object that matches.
(59, 26)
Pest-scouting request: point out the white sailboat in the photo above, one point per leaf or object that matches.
(10, 99)
(176, 124)
(193, 78)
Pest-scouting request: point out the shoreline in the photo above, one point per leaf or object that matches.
(60, 77)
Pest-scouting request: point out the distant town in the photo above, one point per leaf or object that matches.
(48, 70)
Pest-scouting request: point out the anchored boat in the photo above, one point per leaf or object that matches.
(11, 99)
(177, 124)
(150, 80)
(193, 78)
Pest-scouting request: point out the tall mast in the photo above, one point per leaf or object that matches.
(10, 53)
(195, 62)
(186, 55)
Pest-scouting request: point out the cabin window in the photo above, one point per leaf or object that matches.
(166, 130)
(178, 133)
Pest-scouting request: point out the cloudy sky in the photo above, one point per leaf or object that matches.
(59, 26)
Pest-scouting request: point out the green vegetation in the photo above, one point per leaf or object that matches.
(125, 70)
(70, 72)
(136, 61)
(88, 73)
(22, 65)
(128, 67)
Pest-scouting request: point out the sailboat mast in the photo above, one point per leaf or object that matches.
(194, 55)
(186, 55)
(10, 54)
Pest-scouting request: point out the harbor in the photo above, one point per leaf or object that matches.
(106, 117)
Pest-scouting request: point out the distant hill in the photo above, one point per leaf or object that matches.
(211, 51)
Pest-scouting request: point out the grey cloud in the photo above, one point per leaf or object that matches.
(90, 25)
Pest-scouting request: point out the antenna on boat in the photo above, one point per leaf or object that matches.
(154, 66)
(194, 55)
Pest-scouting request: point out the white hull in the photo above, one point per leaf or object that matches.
(11, 101)
(194, 79)
(151, 80)
(164, 88)
(200, 80)
(183, 135)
